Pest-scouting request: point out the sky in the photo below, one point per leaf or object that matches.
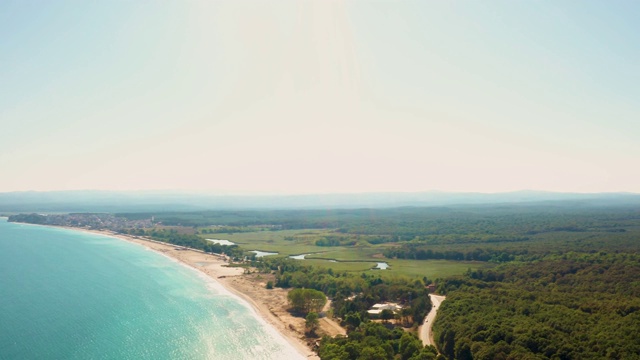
(251, 97)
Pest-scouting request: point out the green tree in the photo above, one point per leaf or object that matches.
(306, 300)
(386, 314)
(373, 353)
(463, 351)
(352, 320)
(409, 346)
(425, 354)
(312, 323)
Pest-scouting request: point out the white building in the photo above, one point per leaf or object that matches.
(377, 308)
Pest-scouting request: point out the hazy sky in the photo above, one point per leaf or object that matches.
(320, 96)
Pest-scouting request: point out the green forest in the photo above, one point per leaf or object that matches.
(573, 306)
(373, 341)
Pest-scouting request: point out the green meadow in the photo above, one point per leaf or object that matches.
(358, 258)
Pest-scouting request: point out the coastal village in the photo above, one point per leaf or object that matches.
(91, 221)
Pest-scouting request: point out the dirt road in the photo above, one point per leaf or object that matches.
(426, 335)
(330, 326)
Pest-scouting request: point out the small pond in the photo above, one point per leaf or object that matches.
(382, 266)
(221, 241)
(262, 253)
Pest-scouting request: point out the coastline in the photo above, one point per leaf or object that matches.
(215, 268)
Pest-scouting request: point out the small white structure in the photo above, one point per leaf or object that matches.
(377, 308)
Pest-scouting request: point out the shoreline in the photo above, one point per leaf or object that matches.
(215, 268)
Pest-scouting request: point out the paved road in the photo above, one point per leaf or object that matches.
(425, 330)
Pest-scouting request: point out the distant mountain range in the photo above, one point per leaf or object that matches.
(144, 201)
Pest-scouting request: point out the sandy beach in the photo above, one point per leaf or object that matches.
(271, 305)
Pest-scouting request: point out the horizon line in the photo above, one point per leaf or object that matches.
(259, 193)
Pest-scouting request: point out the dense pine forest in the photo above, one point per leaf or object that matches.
(573, 306)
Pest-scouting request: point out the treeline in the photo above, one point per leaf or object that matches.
(491, 223)
(422, 252)
(226, 230)
(535, 248)
(475, 223)
(570, 306)
(332, 240)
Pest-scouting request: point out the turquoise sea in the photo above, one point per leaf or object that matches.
(66, 294)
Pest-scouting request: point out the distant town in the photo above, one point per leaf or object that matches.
(88, 221)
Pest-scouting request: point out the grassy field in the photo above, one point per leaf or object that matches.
(284, 242)
(349, 266)
(345, 258)
(432, 269)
